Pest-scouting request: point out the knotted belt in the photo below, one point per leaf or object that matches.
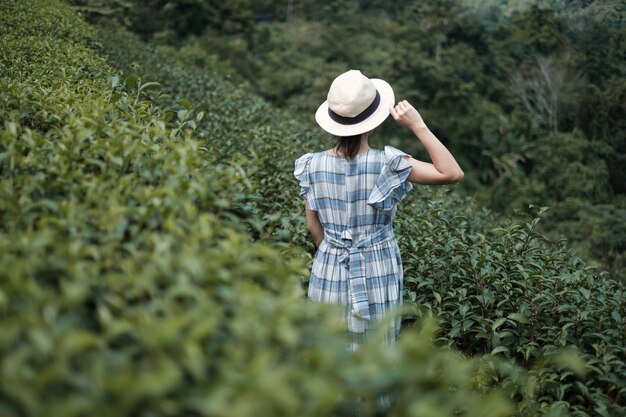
(353, 259)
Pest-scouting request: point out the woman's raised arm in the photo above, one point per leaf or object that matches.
(444, 168)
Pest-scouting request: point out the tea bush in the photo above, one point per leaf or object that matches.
(238, 128)
(511, 292)
(129, 282)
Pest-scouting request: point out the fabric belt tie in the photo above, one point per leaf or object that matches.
(353, 259)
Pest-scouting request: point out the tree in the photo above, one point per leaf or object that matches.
(438, 17)
(540, 89)
(186, 17)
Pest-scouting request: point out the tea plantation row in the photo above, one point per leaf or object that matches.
(146, 269)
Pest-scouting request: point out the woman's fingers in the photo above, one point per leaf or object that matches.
(403, 106)
(406, 106)
(405, 114)
(401, 109)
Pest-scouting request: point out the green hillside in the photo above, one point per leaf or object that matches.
(529, 95)
(153, 255)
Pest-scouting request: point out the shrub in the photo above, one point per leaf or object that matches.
(510, 292)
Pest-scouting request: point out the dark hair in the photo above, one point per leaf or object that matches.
(348, 146)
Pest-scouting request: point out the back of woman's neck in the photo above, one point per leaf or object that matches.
(363, 149)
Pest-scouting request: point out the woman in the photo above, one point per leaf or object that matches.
(351, 192)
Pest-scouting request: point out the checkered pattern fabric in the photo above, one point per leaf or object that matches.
(358, 263)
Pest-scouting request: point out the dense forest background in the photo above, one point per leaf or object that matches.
(529, 95)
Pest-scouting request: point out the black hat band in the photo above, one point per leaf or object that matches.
(359, 117)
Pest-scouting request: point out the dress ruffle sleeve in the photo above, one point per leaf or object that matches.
(391, 185)
(301, 172)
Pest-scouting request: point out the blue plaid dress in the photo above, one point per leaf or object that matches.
(358, 263)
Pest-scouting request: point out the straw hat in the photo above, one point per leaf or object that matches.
(355, 104)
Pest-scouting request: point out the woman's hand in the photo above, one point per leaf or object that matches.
(444, 169)
(406, 115)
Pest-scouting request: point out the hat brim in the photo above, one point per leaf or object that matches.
(386, 100)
